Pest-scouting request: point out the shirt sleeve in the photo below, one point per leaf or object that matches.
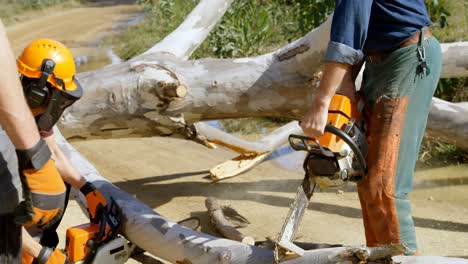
(45, 134)
(349, 31)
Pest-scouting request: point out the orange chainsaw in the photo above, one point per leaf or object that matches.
(99, 243)
(333, 160)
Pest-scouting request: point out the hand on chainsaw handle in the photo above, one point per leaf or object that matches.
(43, 188)
(314, 121)
(95, 200)
(51, 256)
(335, 75)
(102, 212)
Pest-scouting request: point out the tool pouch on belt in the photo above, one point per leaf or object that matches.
(43, 188)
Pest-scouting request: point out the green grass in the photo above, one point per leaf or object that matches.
(250, 27)
(434, 153)
(161, 18)
(456, 25)
(456, 29)
(11, 11)
(254, 27)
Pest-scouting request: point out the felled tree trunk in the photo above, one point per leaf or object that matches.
(130, 97)
(448, 122)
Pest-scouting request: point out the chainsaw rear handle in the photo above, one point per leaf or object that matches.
(306, 146)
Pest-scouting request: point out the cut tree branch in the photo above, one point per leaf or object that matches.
(223, 225)
(268, 143)
(183, 41)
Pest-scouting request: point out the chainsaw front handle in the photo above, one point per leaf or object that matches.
(303, 143)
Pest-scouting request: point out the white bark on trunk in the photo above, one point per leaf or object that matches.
(177, 244)
(448, 122)
(269, 143)
(223, 225)
(183, 41)
(454, 60)
(131, 98)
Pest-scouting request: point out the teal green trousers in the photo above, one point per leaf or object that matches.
(398, 92)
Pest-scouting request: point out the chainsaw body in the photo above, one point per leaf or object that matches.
(339, 155)
(80, 243)
(332, 160)
(100, 243)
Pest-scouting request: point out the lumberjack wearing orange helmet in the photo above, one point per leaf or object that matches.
(47, 73)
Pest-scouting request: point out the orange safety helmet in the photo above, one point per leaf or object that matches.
(30, 62)
(47, 73)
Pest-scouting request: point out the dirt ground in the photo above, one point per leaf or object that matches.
(171, 175)
(78, 28)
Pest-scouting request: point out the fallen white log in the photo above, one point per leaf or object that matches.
(177, 244)
(129, 98)
(268, 143)
(448, 122)
(183, 41)
(454, 60)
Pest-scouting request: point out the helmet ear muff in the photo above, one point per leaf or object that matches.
(36, 91)
(36, 95)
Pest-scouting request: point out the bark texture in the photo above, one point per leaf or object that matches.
(223, 225)
(183, 41)
(131, 98)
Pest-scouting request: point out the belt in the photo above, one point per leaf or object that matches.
(412, 40)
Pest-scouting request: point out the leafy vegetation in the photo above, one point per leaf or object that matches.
(253, 27)
(250, 27)
(161, 18)
(434, 153)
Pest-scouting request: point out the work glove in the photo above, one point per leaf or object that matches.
(101, 212)
(44, 192)
(51, 256)
(95, 200)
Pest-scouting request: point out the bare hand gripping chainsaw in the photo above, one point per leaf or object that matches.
(332, 160)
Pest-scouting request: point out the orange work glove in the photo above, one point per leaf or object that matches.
(95, 200)
(43, 189)
(51, 256)
(101, 212)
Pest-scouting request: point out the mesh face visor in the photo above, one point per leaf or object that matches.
(59, 101)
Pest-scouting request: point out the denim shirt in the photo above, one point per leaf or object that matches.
(372, 26)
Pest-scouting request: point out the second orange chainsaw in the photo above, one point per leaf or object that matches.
(332, 160)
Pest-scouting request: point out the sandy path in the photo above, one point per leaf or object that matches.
(75, 27)
(170, 176)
